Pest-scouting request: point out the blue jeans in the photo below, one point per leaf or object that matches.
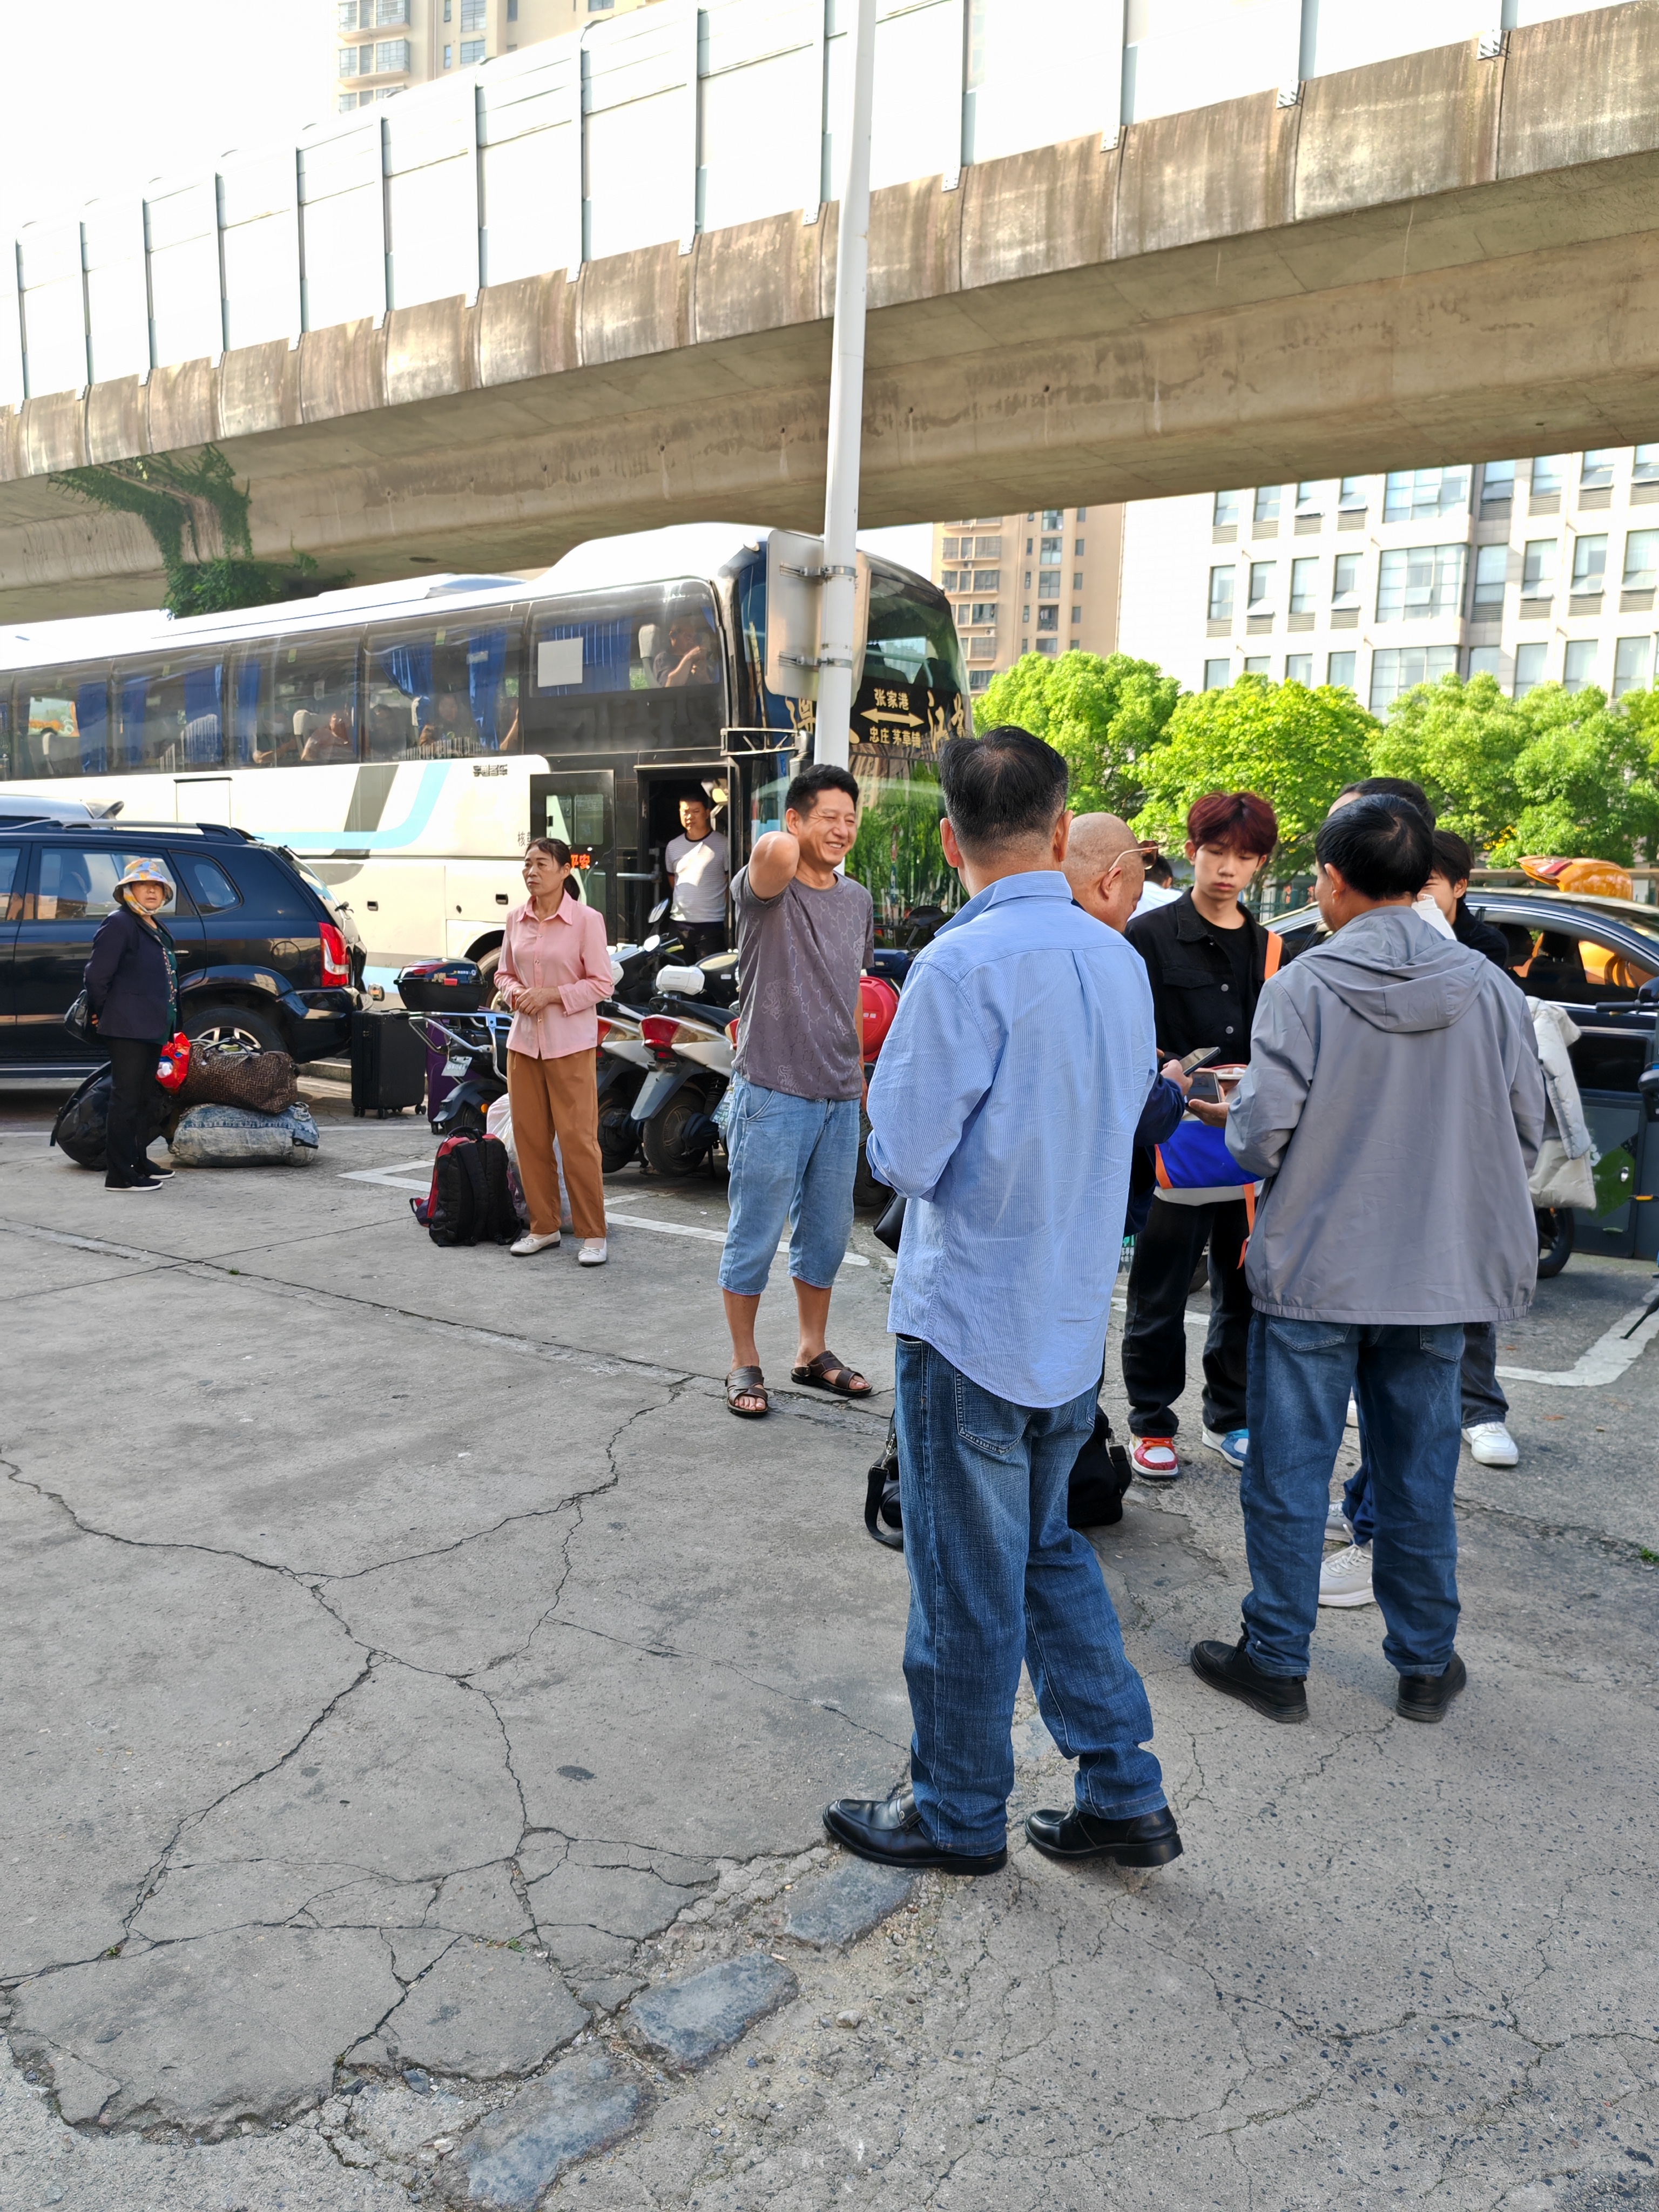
(1407, 1382)
(1483, 1400)
(996, 1575)
(792, 1161)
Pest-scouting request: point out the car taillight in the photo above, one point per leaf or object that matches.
(658, 1032)
(337, 961)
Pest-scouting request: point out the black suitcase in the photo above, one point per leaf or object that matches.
(388, 1064)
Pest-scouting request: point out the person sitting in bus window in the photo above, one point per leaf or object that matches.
(389, 734)
(688, 658)
(333, 742)
(449, 729)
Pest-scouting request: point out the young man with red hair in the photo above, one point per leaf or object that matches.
(1206, 958)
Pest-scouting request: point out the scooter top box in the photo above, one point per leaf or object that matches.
(441, 987)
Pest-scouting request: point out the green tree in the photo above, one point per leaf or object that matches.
(1297, 747)
(1105, 716)
(1586, 781)
(1461, 742)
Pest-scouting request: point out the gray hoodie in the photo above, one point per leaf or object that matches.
(1394, 1103)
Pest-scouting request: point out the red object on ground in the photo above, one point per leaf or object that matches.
(173, 1065)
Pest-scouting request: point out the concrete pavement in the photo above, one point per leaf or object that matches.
(418, 1683)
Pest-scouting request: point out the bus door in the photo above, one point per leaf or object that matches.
(579, 808)
(645, 879)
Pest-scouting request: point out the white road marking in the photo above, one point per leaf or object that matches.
(393, 1178)
(1605, 1361)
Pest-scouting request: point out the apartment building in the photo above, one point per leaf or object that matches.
(384, 46)
(1537, 571)
(1044, 581)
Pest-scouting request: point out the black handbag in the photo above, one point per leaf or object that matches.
(889, 1229)
(78, 1020)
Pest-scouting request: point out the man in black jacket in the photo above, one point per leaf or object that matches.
(1207, 959)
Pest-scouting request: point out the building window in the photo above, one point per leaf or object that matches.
(1546, 475)
(1052, 549)
(1304, 582)
(1641, 560)
(1538, 568)
(1076, 617)
(390, 55)
(1353, 495)
(600, 7)
(348, 61)
(1491, 567)
(1580, 668)
(1048, 618)
(348, 14)
(1029, 543)
(1028, 573)
(1339, 669)
(1025, 613)
(947, 579)
(1486, 660)
(1228, 510)
(1589, 566)
(1082, 516)
(1632, 657)
(1418, 583)
(473, 16)
(1529, 667)
(1077, 580)
(979, 679)
(985, 549)
(512, 11)
(1047, 583)
(1596, 469)
(1256, 665)
(985, 580)
(472, 50)
(390, 11)
(1298, 669)
(1054, 517)
(1419, 495)
(1077, 549)
(1221, 594)
(1345, 580)
(449, 56)
(348, 101)
(1215, 675)
(1266, 507)
(1646, 468)
(448, 5)
(1310, 497)
(1262, 583)
(1049, 645)
(982, 647)
(985, 611)
(1498, 484)
(1397, 668)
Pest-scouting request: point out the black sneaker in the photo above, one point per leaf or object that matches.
(1425, 1697)
(156, 1173)
(144, 1183)
(1228, 1667)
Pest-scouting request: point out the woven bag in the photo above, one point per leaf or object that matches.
(222, 1075)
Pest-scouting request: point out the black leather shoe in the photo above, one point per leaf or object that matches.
(1150, 1839)
(1227, 1668)
(888, 1830)
(1425, 1697)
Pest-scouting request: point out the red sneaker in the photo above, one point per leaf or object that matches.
(1153, 1458)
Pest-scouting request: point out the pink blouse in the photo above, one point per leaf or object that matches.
(565, 954)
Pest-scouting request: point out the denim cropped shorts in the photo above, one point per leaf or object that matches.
(793, 1163)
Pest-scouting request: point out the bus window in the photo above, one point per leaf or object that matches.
(62, 724)
(640, 665)
(911, 639)
(443, 691)
(170, 715)
(314, 700)
(898, 856)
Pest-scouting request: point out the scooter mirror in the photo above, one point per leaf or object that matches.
(651, 943)
(657, 911)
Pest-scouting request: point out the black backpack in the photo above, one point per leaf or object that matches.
(1101, 1473)
(81, 1128)
(469, 1202)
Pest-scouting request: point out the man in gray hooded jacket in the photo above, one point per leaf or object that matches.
(1393, 1104)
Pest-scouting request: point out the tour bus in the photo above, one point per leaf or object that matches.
(405, 740)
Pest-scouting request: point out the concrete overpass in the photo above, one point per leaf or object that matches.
(1448, 254)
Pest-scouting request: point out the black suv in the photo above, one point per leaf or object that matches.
(263, 952)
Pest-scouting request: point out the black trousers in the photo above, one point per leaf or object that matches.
(702, 938)
(132, 1063)
(1155, 1326)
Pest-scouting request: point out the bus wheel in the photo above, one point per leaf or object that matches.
(224, 1024)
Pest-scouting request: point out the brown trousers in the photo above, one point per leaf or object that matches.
(558, 1098)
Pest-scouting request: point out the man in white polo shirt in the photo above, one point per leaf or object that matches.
(698, 865)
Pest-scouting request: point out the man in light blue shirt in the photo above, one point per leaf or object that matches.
(1004, 1107)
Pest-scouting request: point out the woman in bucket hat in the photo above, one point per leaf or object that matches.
(132, 991)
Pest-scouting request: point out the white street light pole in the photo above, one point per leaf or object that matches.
(841, 496)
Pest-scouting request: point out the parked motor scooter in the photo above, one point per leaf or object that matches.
(691, 1036)
(475, 1048)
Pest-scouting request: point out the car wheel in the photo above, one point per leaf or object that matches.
(225, 1024)
(679, 1137)
(487, 967)
(1555, 1228)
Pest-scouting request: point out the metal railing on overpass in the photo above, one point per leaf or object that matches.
(635, 132)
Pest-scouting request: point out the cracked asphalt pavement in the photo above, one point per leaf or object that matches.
(407, 1664)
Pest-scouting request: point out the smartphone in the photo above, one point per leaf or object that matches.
(1198, 1059)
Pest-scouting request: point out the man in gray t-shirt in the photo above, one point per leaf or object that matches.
(805, 935)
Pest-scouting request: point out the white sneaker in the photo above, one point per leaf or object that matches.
(1350, 1419)
(529, 1242)
(593, 1253)
(1345, 1577)
(1491, 1445)
(1339, 1529)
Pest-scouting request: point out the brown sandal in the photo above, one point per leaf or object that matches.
(826, 1372)
(747, 1382)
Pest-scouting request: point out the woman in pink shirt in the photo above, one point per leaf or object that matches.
(554, 970)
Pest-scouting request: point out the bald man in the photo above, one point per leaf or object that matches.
(1104, 868)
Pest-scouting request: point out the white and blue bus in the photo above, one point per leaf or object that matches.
(404, 740)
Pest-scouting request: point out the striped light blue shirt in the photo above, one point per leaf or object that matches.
(1004, 1106)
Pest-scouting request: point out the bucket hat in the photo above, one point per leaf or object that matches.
(146, 871)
